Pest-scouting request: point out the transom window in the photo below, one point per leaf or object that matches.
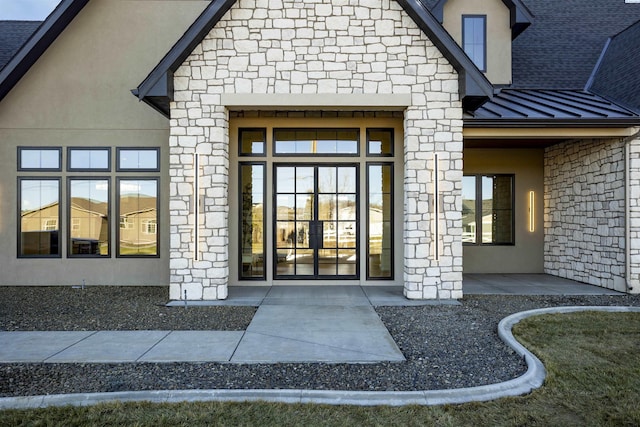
(316, 142)
(488, 209)
(89, 159)
(39, 159)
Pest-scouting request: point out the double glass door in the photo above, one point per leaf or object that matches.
(316, 221)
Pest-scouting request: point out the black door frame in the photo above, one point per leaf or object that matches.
(315, 225)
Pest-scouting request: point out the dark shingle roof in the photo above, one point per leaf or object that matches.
(562, 46)
(13, 34)
(618, 74)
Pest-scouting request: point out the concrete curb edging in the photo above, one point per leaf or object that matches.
(529, 381)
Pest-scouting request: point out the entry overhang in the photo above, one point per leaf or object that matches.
(548, 132)
(316, 101)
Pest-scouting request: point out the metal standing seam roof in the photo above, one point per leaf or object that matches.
(560, 106)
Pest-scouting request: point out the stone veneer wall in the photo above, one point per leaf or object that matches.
(584, 212)
(633, 212)
(316, 47)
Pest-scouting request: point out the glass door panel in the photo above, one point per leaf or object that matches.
(310, 241)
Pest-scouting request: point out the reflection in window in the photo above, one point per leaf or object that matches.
(380, 142)
(252, 187)
(140, 159)
(39, 159)
(138, 213)
(39, 217)
(316, 141)
(89, 159)
(252, 141)
(487, 209)
(380, 221)
(474, 39)
(89, 217)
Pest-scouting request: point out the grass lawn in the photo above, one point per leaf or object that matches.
(593, 378)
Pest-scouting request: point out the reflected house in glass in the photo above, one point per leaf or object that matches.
(379, 143)
(138, 225)
(89, 227)
(39, 230)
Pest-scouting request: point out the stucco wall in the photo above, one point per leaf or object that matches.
(584, 214)
(526, 255)
(321, 47)
(498, 33)
(78, 94)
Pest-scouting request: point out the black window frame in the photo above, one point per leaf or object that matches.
(315, 155)
(264, 221)
(70, 219)
(478, 208)
(392, 228)
(119, 151)
(19, 217)
(252, 129)
(72, 169)
(393, 142)
(117, 215)
(31, 148)
(484, 41)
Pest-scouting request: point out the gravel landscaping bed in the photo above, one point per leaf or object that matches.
(445, 346)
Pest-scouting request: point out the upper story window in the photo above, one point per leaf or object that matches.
(474, 39)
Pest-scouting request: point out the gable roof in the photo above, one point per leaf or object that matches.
(520, 15)
(617, 75)
(38, 43)
(157, 89)
(13, 34)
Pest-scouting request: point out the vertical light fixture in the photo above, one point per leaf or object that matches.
(532, 206)
(196, 206)
(436, 209)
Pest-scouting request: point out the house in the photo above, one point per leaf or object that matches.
(322, 142)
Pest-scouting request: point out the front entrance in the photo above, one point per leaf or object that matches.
(316, 200)
(316, 221)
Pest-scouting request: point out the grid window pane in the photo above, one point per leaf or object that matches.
(138, 159)
(89, 217)
(39, 158)
(252, 239)
(316, 141)
(39, 217)
(474, 39)
(379, 221)
(252, 141)
(487, 209)
(95, 159)
(138, 213)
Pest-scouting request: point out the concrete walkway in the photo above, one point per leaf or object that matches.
(292, 324)
(304, 324)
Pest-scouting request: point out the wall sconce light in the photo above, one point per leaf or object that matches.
(196, 206)
(532, 206)
(436, 210)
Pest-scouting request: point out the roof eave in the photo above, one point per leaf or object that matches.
(185, 45)
(473, 83)
(551, 123)
(38, 43)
